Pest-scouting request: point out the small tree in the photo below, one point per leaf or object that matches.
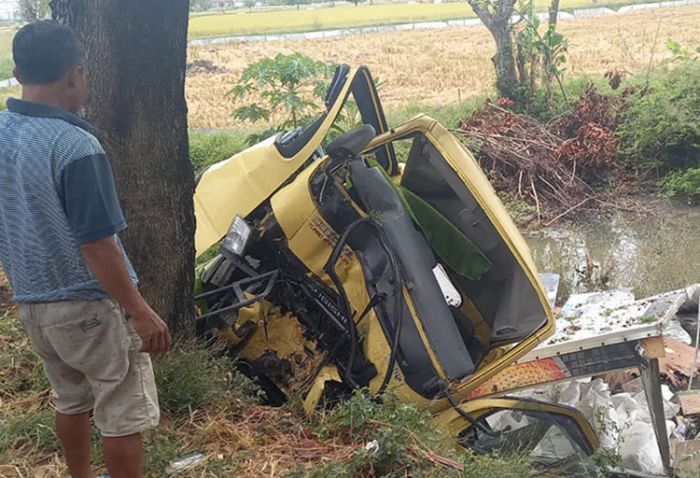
(523, 54)
(539, 56)
(249, 4)
(285, 83)
(496, 16)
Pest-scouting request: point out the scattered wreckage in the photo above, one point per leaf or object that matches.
(381, 259)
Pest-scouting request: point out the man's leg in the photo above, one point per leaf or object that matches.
(124, 456)
(72, 394)
(97, 340)
(75, 435)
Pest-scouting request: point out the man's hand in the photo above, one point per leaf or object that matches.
(152, 330)
(106, 261)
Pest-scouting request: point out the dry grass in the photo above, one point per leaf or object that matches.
(441, 66)
(238, 437)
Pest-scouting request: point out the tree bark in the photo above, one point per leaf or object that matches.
(553, 12)
(136, 57)
(497, 20)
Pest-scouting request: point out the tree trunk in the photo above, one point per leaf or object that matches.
(497, 20)
(553, 12)
(136, 57)
(504, 61)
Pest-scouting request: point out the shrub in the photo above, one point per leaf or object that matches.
(684, 184)
(661, 126)
(210, 148)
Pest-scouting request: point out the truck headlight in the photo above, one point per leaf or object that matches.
(235, 241)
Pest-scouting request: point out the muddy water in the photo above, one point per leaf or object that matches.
(647, 254)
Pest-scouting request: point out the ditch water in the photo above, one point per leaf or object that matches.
(647, 254)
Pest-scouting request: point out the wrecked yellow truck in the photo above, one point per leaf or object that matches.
(381, 259)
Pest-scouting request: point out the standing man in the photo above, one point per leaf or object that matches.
(59, 220)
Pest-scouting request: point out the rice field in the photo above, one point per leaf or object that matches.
(343, 15)
(443, 67)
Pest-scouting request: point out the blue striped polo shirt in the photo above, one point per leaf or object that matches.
(56, 193)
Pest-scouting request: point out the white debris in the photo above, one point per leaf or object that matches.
(622, 421)
(186, 462)
(372, 447)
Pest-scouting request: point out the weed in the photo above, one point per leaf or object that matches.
(162, 449)
(32, 428)
(648, 319)
(210, 148)
(209, 254)
(393, 440)
(6, 65)
(522, 212)
(193, 375)
(22, 373)
(683, 184)
(661, 127)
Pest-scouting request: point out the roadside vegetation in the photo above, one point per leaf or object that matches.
(213, 411)
(446, 67)
(346, 15)
(6, 64)
(621, 133)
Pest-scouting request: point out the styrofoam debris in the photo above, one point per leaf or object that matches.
(186, 462)
(622, 421)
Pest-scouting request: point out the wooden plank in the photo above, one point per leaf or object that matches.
(653, 347)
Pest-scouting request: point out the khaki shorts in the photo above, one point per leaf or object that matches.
(92, 360)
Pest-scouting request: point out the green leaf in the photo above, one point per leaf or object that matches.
(239, 91)
(675, 47)
(252, 113)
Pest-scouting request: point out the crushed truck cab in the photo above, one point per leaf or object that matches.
(379, 259)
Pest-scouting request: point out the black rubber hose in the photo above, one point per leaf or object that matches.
(466, 415)
(398, 309)
(330, 270)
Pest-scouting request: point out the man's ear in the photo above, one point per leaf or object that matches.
(71, 77)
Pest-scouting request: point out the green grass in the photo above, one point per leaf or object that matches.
(210, 148)
(6, 42)
(449, 115)
(193, 376)
(21, 373)
(6, 53)
(21, 429)
(6, 93)
(403, 435)
(345, 16)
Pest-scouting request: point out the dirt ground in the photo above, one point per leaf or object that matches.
(443, 66)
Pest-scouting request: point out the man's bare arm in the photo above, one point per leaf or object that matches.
(106, 261)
